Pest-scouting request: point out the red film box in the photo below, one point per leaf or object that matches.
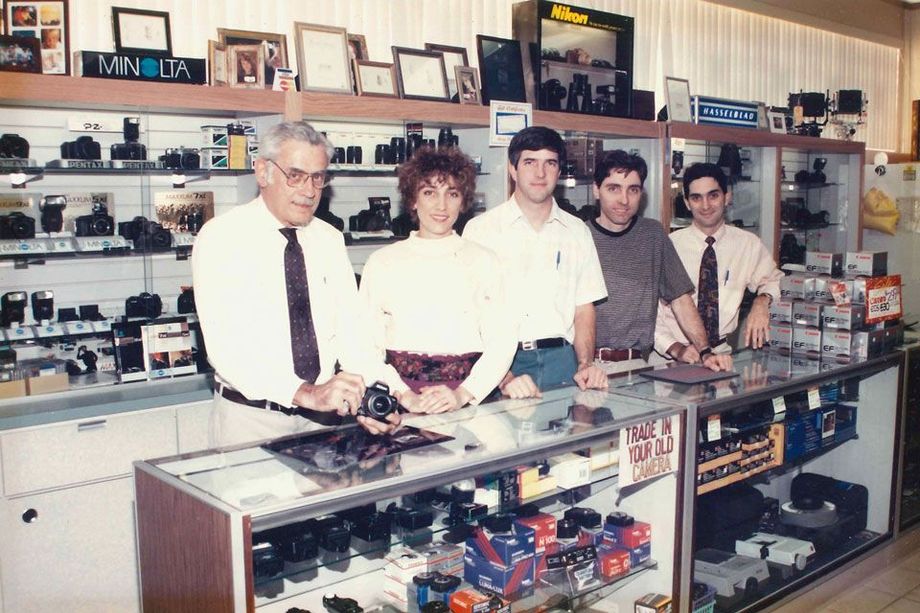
(630, 537)
(544, 527)
(613, 561)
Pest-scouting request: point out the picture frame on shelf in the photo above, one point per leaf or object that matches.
(677, 99)
(469, 90)
(20, 54)
(246, 66)
(323, 58)
(47, 22)
(777, 122)
(357, 47)
(501, 68)
(763, 121)
(141, 31)
(274, 48)
(376, 79)
(217, 64)
(453, 56)
(420, 74)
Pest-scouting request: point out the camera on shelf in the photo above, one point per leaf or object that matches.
(13, 308)
(334, 604)
(408, 518)
(182, 159)
(551, 94)
(377, 402)
(84, 148)
(332, 533)
(145, 305)
(43, 305)
(373, 219)
(17, 225)
(145, 234)
(131, 149)
(13, 146)
(52, 208)
(97, 223)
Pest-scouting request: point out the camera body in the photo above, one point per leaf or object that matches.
(145, 305)
(182, 159)
(13, 146)
(145, 234)
(17, 226)
(377, 402)
(408, 518)
(373, 219)
(84, 148)
(332, 533)
(128, 151)
(334, 604)
(97, 223)
(551, 94)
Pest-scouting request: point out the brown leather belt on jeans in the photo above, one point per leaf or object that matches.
(606, 354)
(234, 396)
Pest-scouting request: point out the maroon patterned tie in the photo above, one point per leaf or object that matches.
(708, 292)
(303, 335)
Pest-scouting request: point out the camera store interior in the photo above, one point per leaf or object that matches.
(770, 462)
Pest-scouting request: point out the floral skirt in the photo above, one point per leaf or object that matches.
(421, 369)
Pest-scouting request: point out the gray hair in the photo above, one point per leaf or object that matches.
(270, 143)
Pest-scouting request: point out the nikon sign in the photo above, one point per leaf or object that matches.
(141, 67)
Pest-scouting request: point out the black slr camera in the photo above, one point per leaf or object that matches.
(130, 149)
(551, 94)
(17, 225)
(144, 305)
(373, 219)
(377, 402)
(146, 235)
(182, 159)
(97, 223)
(84, 148)
(13, 146)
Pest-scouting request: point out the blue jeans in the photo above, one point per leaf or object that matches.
(547, 367)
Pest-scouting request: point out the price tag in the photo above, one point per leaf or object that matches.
(183, 239)
(814, 398)
(94, 123)
(714, 428)
(779, 408)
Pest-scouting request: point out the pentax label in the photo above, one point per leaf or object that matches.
(137, 164)
(80, 164)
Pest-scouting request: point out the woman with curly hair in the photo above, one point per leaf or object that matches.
(436, 300)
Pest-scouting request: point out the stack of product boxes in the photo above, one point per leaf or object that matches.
(822, 313)
(233, 146)
(627, 543)
(499, 557)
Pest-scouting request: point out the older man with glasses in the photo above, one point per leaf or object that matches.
(276, 297)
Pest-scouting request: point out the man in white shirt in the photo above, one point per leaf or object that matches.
(243, 277)
(737, 260)
(551, 267)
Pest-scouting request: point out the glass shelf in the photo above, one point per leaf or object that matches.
(792, 186)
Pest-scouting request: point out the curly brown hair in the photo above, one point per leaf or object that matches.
(436, 166)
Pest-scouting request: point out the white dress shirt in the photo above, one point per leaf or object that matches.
(548, 272)
(241, 299)
(441, 296)
(743, 263)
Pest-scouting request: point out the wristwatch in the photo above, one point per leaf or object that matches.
(707, 350)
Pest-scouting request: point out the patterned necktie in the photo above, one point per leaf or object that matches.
(708, 292)
(303, 336)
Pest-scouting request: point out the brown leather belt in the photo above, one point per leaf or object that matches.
(234, 396)
(606, 354)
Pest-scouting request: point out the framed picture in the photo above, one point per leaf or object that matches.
(217, 64)
(677, 97)
(246, 65)
(375, 79)
(18, 54)
(274, 48)
(453, 56)
(357, 47)
(322, 58)
(467, 79)
(420, 74)
(777, 122)
(501, 69)
(141, 31)
(45, 21)
(763, 122)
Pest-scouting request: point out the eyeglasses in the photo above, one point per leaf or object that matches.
(296, 178)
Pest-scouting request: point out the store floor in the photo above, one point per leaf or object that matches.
(888, 581)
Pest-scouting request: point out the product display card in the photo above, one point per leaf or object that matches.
(688, 374)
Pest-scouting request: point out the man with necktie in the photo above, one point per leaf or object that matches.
(278, 305)
(724, 260)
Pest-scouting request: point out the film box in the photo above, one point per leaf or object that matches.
(571, 470)
(544, 528)
(806, 340)
(843, 317)
(821, 263)
(835, 343)
(780, 336)
(867, 263)
(612, 561)
(214, 158)
(628, 537)
(806, 313)
(781, 311)
(214, 136)
(797, 287)
(504, 549)
(403, 563)
(515, 581)
(474, 601)
(653, 603)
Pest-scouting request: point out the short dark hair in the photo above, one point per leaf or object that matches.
(436, 165)
(619, 161)
(535, 138)
(701, 170)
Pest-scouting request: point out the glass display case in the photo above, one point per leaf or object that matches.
(794, 471)
(591, 482)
